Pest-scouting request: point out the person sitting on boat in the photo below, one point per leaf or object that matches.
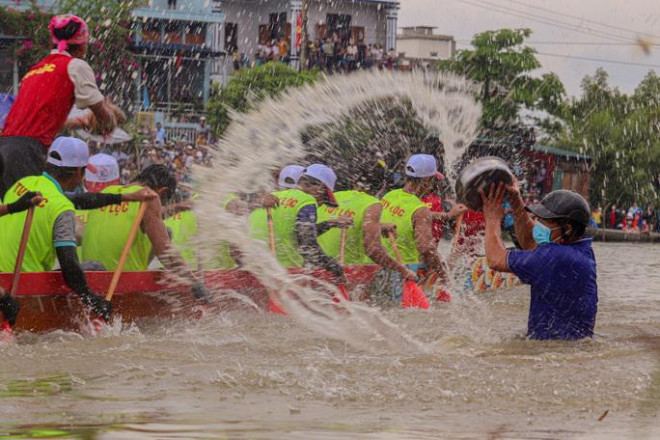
(47, 94)
(414, 224)
(103, 239)
(363, 235)
(52, 233)
(557, 259)
(294, 221)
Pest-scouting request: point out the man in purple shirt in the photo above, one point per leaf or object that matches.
(556, 260)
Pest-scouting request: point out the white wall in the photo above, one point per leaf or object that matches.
(422, 48)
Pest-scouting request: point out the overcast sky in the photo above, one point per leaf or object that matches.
(609, 27)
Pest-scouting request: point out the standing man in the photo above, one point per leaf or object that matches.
(413, 219)
(557, 260)
(47, 93)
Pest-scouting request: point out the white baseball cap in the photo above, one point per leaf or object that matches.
(107, 169)
(421, 166)
(69, 152)
(326, 176)
(290, 175)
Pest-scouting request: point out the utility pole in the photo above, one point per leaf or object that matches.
(303, 35)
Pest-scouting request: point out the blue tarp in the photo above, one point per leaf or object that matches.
(6, 101)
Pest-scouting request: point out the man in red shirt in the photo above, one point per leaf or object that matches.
(46, 96)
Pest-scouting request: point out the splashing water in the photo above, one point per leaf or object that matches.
(269, 138)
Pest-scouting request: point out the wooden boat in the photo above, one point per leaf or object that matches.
(48, 304)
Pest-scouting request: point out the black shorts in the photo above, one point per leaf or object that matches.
(20, 157)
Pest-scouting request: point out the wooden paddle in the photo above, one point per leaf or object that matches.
(6, 327)
(271, 230)
(342, 252)
(273, 307)
(413, 295)
(127, 249)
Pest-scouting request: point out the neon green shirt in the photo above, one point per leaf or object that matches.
(108, 229)
(353, 204)
(284, 225)
(40, 253)
(399, 207)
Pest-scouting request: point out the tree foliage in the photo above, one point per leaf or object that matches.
(622, 135)
(250, 86)
(502, 64)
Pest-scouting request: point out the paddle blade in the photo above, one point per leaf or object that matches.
(413, 296)
(443, 296)
(274, 308)
(6, 332)
(344, 293)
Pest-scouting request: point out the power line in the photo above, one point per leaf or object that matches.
(586, 20)
(598, 60)
(543, 20)
(571, 43)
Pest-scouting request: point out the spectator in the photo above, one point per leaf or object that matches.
(160, 133)
(540, 179)
(203, 132)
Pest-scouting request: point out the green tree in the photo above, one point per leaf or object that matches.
(621, 133)
(503, 64)
(250, 86)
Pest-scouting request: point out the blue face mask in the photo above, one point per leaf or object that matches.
(541, 233)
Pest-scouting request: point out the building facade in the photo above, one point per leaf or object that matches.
(176, 45)
(251, 23)
(419, 46)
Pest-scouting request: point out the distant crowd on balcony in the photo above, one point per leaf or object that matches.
(330, 55)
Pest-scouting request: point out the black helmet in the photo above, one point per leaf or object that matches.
(562, 204)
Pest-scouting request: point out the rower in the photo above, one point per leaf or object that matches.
(413, 220)
(46, 96)
(182, 222)
(152, 237)
(557, 260)
(294, 221)
(52, 233)
(363, 237)
(103, 172)
(290, 175)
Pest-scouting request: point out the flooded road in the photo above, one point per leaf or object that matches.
(256, 376)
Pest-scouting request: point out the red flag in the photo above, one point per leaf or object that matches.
(299, 30)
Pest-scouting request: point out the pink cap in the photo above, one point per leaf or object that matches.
(60, 21)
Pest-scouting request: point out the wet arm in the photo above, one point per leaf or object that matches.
(523, 223)
(495, 249)
(153, 226)
(372, 244)
(64, 240)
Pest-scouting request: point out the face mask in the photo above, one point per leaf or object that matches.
(541, 233)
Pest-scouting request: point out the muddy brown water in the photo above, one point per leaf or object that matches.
(252, 376)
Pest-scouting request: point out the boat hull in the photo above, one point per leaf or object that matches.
(48, 304)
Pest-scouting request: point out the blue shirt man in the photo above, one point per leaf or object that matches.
(557, 261)
(564, 294)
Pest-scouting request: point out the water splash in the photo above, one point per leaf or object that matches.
(269, 137)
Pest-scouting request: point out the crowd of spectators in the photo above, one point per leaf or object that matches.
(633, 219)
(332, 54)
(156, 147)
